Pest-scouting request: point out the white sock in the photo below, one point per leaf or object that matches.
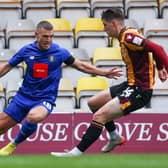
(75, 151)
(13, 142)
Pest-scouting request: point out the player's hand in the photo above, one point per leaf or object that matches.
(163, 74)
(114, 73)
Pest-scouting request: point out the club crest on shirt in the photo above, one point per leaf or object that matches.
(31, 57)
(129, 37)
(51, 58)
(137, 40)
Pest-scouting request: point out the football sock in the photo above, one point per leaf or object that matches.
(26, 130)
(91, 135)
(110, 126)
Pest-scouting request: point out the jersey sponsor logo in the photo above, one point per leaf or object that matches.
(40, 70)
(137, 40)
(31, 57)
(130, 38)
(51, 58)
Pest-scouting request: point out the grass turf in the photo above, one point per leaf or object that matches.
(86, 161)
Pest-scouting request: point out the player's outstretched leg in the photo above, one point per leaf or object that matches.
(8, 149)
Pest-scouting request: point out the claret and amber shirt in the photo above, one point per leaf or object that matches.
(140, 56)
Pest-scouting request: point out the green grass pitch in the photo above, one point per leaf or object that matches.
(86, 161)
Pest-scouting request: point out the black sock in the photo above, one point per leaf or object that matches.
(110, 126)
(91, 135)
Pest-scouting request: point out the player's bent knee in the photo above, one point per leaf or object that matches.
(36, 117)
(99, 117)
(33, 119)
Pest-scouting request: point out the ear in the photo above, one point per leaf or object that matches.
(36, 34)
(114, 22)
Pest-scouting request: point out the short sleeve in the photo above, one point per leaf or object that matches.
(134, 41)
(17, 58)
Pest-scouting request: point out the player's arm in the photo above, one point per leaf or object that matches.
(162, 74)
(91, 69)
(4, 68)
(159, 55)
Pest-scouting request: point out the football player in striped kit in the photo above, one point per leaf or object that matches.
(140, 56)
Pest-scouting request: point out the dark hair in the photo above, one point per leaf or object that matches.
(113, 13)
(44, 24)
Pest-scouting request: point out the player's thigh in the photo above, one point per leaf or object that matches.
(39, 111)
(110, 111)
(37, 114)
(99, 99)
(6, 122)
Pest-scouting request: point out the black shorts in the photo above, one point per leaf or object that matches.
(131, 97)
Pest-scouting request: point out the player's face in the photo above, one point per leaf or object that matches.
(110, 28)
(44, 38)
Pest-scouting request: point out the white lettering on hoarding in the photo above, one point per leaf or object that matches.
(76, 130)
(163, 134)
(60, 131)
(35, 135)
(144, 133)
(131, 129)
(47, 131)
(50, 132)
